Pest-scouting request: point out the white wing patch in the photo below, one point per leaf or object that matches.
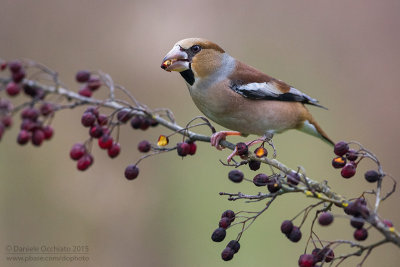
(267, 88)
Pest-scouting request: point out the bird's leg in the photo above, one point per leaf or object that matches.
(268, 139)
(218, 136)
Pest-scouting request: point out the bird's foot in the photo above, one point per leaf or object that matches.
(218, 136)
(268, 139)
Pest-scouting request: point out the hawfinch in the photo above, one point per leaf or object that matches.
(237, 96)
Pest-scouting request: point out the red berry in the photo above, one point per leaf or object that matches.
(192, 148)
(372, 176)
(360, 234)
(224, 222)
(261, 179)
(88, 119)
(131, 172)
(341, 148)
(286, 227)
(352, 155)
(47, 109)
(48, 132)
(7, 121)
(3, 66)
(15, 66)
(306, 260)
(96, 131)
(13, 89)
(94, 83)
(37, 137)
(82, 76)
(84, 162)
(349, 170)
(339, 162)
(30, 113)
(227, 254)
(326, 218)
(93, 110)
(114, 150)
(77, 151)
(85, 92)
(17, 77)
(102, 119)
(236, 176)
(144, 146)
(229, 214)
(28, 125)
(183, 149)
(105, 141)
(218, 235)
(23, 137)
(242, 149)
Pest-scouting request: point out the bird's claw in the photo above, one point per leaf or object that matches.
(216, 138)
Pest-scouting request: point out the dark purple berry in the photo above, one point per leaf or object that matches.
(102, 119)
(123, 116)
(17, 77)
(224, 222)
(229, 214)
(357, 222)
(286, 227)
(131, 172)
(254, 165)
(145, 124)
(372, 176)
(341, 148)
(77, 151)
(325, 218)
(236, 176)
(360, 234)
(15, 66)
(13, 89)
(105, 141)
(349, 170)
(84, 162)
(23, 137)
(218, 235)
(93, 84)
(183, 149)
(96, 131)
(37, 137)
(339, 162)
(93, 110)
(242, 149)
(47, 109)
(295, 234)
(82, 76)
(306, 260)
(88, 119)
(136, 122)
(328, 254)
(114, 150)
(352, 155)
(261, 179)
(317, 253)
(235, 245)
(274, 185)
(144, 146)
(293, 178)
(153, 122)
(227, 254)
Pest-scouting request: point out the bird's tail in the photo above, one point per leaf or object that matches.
(310, 126)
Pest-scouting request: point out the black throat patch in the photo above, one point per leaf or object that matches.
(188, 75)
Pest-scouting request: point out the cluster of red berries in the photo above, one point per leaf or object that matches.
(186, 148)
(317, 255)
(219, 234)
(91, 83)
(346, 160)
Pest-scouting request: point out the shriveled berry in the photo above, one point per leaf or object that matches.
(77, 151)
(357, 222)
(224, 222)
(227, 254)
(102, 119)
(218, 235)
(183, 149)
(23, 137)
(341, 148)
(286, 227)
(325, 218)
(94, 83)
(260, 152)
(254, 165)
(293, 178)
(123, 116)
(13, 89)
(86, 92)
(105, 141)
(261, 179)
(37, 137)
(339, 162)
(88, 119)
(18, 76)
(295, 234)
(352, 155)
(48, 132)
(192, 148)
(144, 146)
(229, 214)
(236, 176)
(82, 76)
(136, 122)
(96, 131)
(306, 260)
(274, 185)
(349, 170)
(360, 234)
(84, 162)
(47, 109)
(114, 150)
(372, 176)
(131, 172)
(388, 223)
(242, 149)
(15, 66)
(234, 244)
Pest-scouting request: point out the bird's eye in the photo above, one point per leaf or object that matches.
(195, 48)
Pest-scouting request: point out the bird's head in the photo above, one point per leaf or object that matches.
(193, 56)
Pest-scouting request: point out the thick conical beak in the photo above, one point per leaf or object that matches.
(176, 60)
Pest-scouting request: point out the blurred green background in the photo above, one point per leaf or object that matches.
(344, 53)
